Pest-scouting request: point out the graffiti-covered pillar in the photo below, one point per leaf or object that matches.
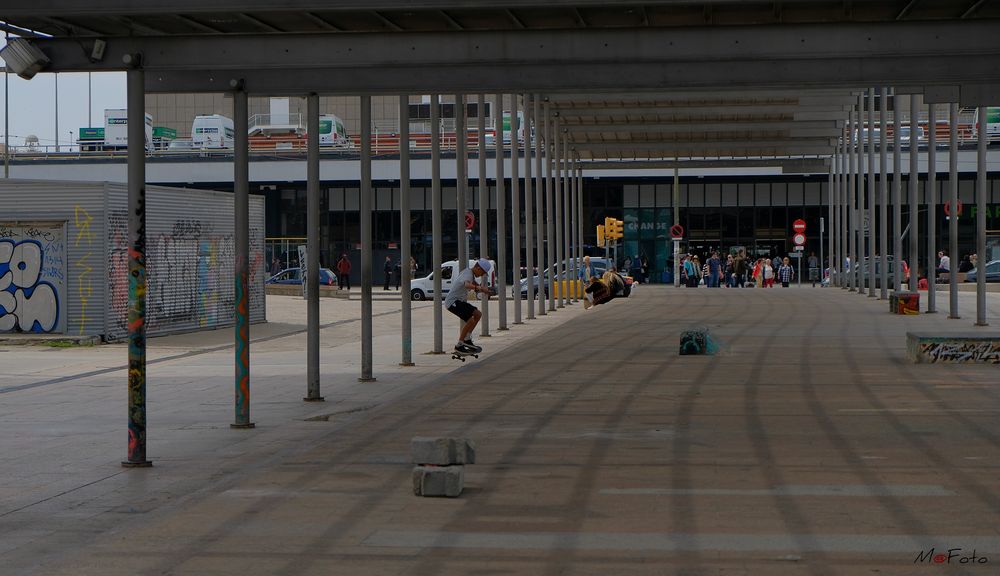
(241, 263)
(136, 268)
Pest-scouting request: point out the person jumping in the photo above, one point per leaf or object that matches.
(456, 303)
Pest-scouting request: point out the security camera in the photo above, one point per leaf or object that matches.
(24, 58)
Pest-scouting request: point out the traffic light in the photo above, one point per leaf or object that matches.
(600, 235)
(619, 230)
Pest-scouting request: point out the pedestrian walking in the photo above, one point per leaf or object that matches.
(785, 273)
(813, 264)
(714, 270)
(387, 271)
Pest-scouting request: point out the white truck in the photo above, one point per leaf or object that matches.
(423, 288)
(116, 129)
(332, 132)
(992, 124)
(212, 131)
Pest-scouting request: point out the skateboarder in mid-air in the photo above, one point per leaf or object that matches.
(456, 303)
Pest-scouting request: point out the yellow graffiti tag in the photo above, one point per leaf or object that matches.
(83, 225)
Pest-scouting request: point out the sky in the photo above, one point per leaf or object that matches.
(32, 104)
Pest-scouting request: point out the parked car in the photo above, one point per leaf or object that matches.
(294, 276)
(992, 272)
(423, 288)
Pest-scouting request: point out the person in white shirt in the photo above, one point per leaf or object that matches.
(455, 302)
(944, 264)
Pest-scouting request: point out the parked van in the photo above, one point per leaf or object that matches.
(332, 132)
(423, 288)
(992, 124)
(212, 131)
(116, 129)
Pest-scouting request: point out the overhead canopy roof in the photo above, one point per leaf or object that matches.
(629, 80)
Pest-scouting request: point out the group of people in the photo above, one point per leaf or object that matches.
(739, 271)
(390, 271)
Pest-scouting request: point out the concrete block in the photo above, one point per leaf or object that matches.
(445, 481)
(442, 451)
(904, 303)
(953, 347)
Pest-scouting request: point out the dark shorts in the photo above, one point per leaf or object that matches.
(462, 309)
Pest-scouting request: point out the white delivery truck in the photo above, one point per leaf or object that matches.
(332, 132)
(212, 131)
(116, 129)
(423, 288)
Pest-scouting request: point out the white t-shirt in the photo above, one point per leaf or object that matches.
(458, 290)
(945, 263)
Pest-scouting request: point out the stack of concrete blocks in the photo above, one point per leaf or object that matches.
(440, 465)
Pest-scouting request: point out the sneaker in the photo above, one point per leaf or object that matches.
(470, 344)
(464, 348)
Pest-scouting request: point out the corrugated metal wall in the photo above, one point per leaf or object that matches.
(81, 206)
(189, 253)
(189, 260)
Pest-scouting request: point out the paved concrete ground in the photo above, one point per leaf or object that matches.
(808, 445)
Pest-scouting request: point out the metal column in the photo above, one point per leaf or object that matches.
(529, 208)
(501, 273)
(852, 213)
(557, 200)
(982, 191)
(834, 220)
(914, 200)
(461, 179)
(931, 206)
(676, 212)
(829, 218)
(540, 136)
(569, 209)
(312, 249)
(366, 239)
(515, 203)
(550, 254)
(953, 209)
(844, 252)
(404, 231)
(241, 271)
(436, 216)
(897, 192)
(883, 219)
(872, 228)
(859, 201)
(484, 209)
(135, 81)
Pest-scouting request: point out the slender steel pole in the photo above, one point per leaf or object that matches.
(436, 217)
(135, 81)
(366, 239)
(859, 200)
(541, 135)
(501, 273)
(872, 228)
(569, 269)
(56, 75)
(405, 240)
(830, 222)
(953, 209)
(529, 208)
(883, 222)
(461, 178)
(897, 192)
(914, 199)
(982, 191)
(551, 254)
(312, 249)
(241, 264)
(579, 208)
(834, 219)
(515, 204)
(844, 252)
(484, 209)
(557, 200)
(574, 194)
(852, 275)
(6, 116)
(931, 207)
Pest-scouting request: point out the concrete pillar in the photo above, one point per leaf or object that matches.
(312, 249)
(135, 82)
(366, 239)
(406, 342)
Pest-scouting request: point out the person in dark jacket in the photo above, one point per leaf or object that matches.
(387, 269)
(344, 272)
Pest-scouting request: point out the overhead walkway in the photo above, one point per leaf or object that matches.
(808, 445)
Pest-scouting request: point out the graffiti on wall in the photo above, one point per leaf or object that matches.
(189, 274)
(32, 277)
(84, 266)
(958, 351)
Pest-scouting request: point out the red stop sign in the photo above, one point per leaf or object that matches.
(799, 226)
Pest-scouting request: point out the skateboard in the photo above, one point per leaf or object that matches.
(455, 354)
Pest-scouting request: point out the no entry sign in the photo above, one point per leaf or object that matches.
(799, 226)
(470, 220)
(676, 231)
